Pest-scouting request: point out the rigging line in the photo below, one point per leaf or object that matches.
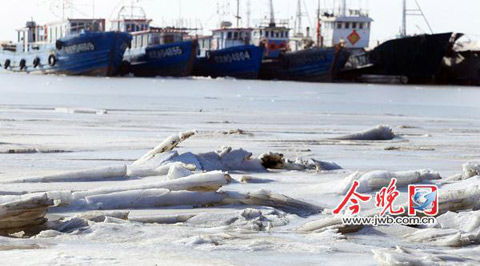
(308, 14)
(423, 15)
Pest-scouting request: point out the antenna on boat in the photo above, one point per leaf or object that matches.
(319, 26)
(412, 12)
(238, 14)
(403, 31)
(272, 15)
(344, 8)
(298, 21)
(249, 12)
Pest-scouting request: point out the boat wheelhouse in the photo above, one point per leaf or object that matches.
(350, 27)
(274, 37)
(225, 38)
(155, 51)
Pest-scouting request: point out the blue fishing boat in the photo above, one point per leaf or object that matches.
(307, 63)
(154, 51)
(72, 47)
(228, 54)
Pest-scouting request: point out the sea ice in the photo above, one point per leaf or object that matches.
(376, 133)
(377, 179)
(24, 213)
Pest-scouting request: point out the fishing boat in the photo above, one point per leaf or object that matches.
(154, 51)
(406, 59)
(416, 59)
(71, 47)
(307, 63)
(229, 52)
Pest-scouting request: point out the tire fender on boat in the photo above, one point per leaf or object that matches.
(23, 64)
(59, 45)
(6, 64)
(36, 62)
(52, 60)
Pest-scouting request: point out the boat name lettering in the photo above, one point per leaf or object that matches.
(79, 48)
(232, 57)
(167, 52)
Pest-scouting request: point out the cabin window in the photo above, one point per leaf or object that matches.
(266, 34)
(286, 34)
(73, 27)
(235, 36)
(168, 39)
(155, 39)
(229, 35)
(347, 25)
(272, 34)
(354, 25)
(277, 34)
(339, 25)
(360, 25)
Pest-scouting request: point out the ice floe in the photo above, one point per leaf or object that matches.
(377, 179)
(377, 133)
(94, 174)
(249, 219)
(426, 257)
(24, 213)
(277, 161)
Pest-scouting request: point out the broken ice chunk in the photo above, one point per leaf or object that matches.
(376, 133)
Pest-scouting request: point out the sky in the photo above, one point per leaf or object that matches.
(443, 15)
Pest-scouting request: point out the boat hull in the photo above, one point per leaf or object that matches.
(172, 60)
(92, 53)
(312, 65)
(242, 62)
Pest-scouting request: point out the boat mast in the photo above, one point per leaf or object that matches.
(238, 14)
(272, 15)
(63, 8)
(403, 31)
(298, 21)
(412, 12)
(344, 8)
(319, 27)
(249, 13)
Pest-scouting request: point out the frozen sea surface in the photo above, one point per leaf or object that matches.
(52, 123)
